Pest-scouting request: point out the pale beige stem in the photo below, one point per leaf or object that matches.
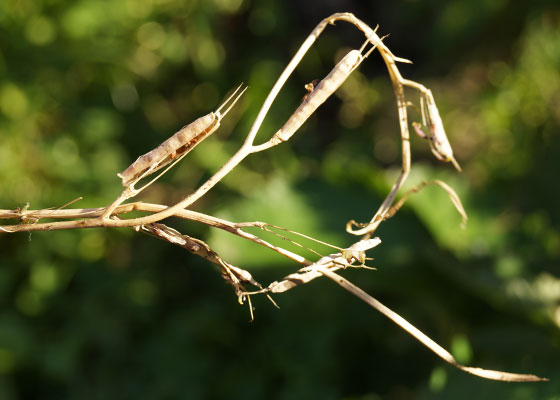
(421, 337)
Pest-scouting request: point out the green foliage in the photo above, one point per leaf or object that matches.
(86, 86)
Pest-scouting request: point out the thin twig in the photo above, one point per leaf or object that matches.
(421, 337)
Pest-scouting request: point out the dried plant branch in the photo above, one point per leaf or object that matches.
(398, 85)
(237, 276)
(195, 216)
(171, 151)
(421, 337)
(455, 200)
(340, 71)
(233, 275)
(305, 275)
(180, 144)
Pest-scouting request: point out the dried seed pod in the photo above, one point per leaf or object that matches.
(177, 145)
(439, 143)
(319, 93)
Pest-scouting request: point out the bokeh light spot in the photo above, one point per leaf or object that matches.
(40, 30)
(228, 6)
(124, 96)
(508, 267)
(100, 124)
(461, 349)
(139, 8)
(438, 379)
(210, 54)
(151, 35)
(145, 62)
(7, 360)
(13, 101)
(65, 151)
(92, 246)
(44, 277)
(29, 302)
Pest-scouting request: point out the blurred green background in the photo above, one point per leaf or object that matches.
(86, 86)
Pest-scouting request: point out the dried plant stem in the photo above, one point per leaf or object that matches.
(209, 220)
(420, 336)
(184, 140)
